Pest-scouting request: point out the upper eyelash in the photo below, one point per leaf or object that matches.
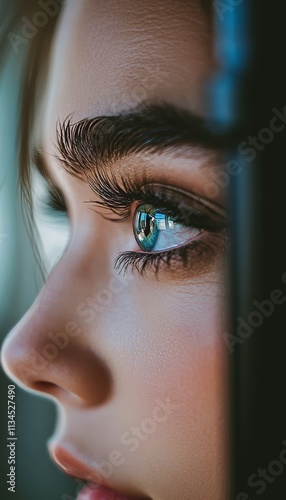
(117, 198)
(117, 195)
(116, 192)
(56, 200)
(53, 202)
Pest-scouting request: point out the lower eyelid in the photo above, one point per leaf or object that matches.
(202, 256)
(189, 261)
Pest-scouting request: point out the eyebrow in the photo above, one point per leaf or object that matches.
(92, 143)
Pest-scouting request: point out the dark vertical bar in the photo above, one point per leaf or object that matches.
(248, 110)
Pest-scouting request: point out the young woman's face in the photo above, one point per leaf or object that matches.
(136, 361)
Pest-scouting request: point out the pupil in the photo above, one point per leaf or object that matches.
(147, 229)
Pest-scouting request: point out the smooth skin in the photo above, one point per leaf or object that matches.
(156, 339)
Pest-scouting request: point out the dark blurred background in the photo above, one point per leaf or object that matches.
(20, 280)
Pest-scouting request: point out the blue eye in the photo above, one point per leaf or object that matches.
(156, 231)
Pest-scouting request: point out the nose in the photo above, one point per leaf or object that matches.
(52, 351)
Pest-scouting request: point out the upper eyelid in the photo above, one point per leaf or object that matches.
(198, 199)
(52, 188)
(195, 212)
(94, 177)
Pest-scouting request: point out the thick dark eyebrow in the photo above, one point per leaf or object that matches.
(94, 142)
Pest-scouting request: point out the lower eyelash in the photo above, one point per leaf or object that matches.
(198, 253)
(141, 262)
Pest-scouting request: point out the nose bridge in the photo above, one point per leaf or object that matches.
(49, 350)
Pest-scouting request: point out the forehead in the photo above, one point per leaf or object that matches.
(108, 56)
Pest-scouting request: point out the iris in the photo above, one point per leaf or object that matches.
(157, 231)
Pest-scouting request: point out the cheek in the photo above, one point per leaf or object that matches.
(178, 360)
(169, 344)
(186, 355)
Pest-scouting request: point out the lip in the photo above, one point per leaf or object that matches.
(73, 467)
(97, 488)
(94, 492)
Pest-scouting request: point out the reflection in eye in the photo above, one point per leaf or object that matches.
(157, 231)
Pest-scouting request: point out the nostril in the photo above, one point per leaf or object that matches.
(44, 386)
(52, 389)
(77, 375)
(49, 389)
(61, 394)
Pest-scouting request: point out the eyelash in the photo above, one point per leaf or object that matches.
(117, 196)
(142, 262)
(54, 204)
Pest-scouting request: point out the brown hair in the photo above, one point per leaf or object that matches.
(34, 50)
